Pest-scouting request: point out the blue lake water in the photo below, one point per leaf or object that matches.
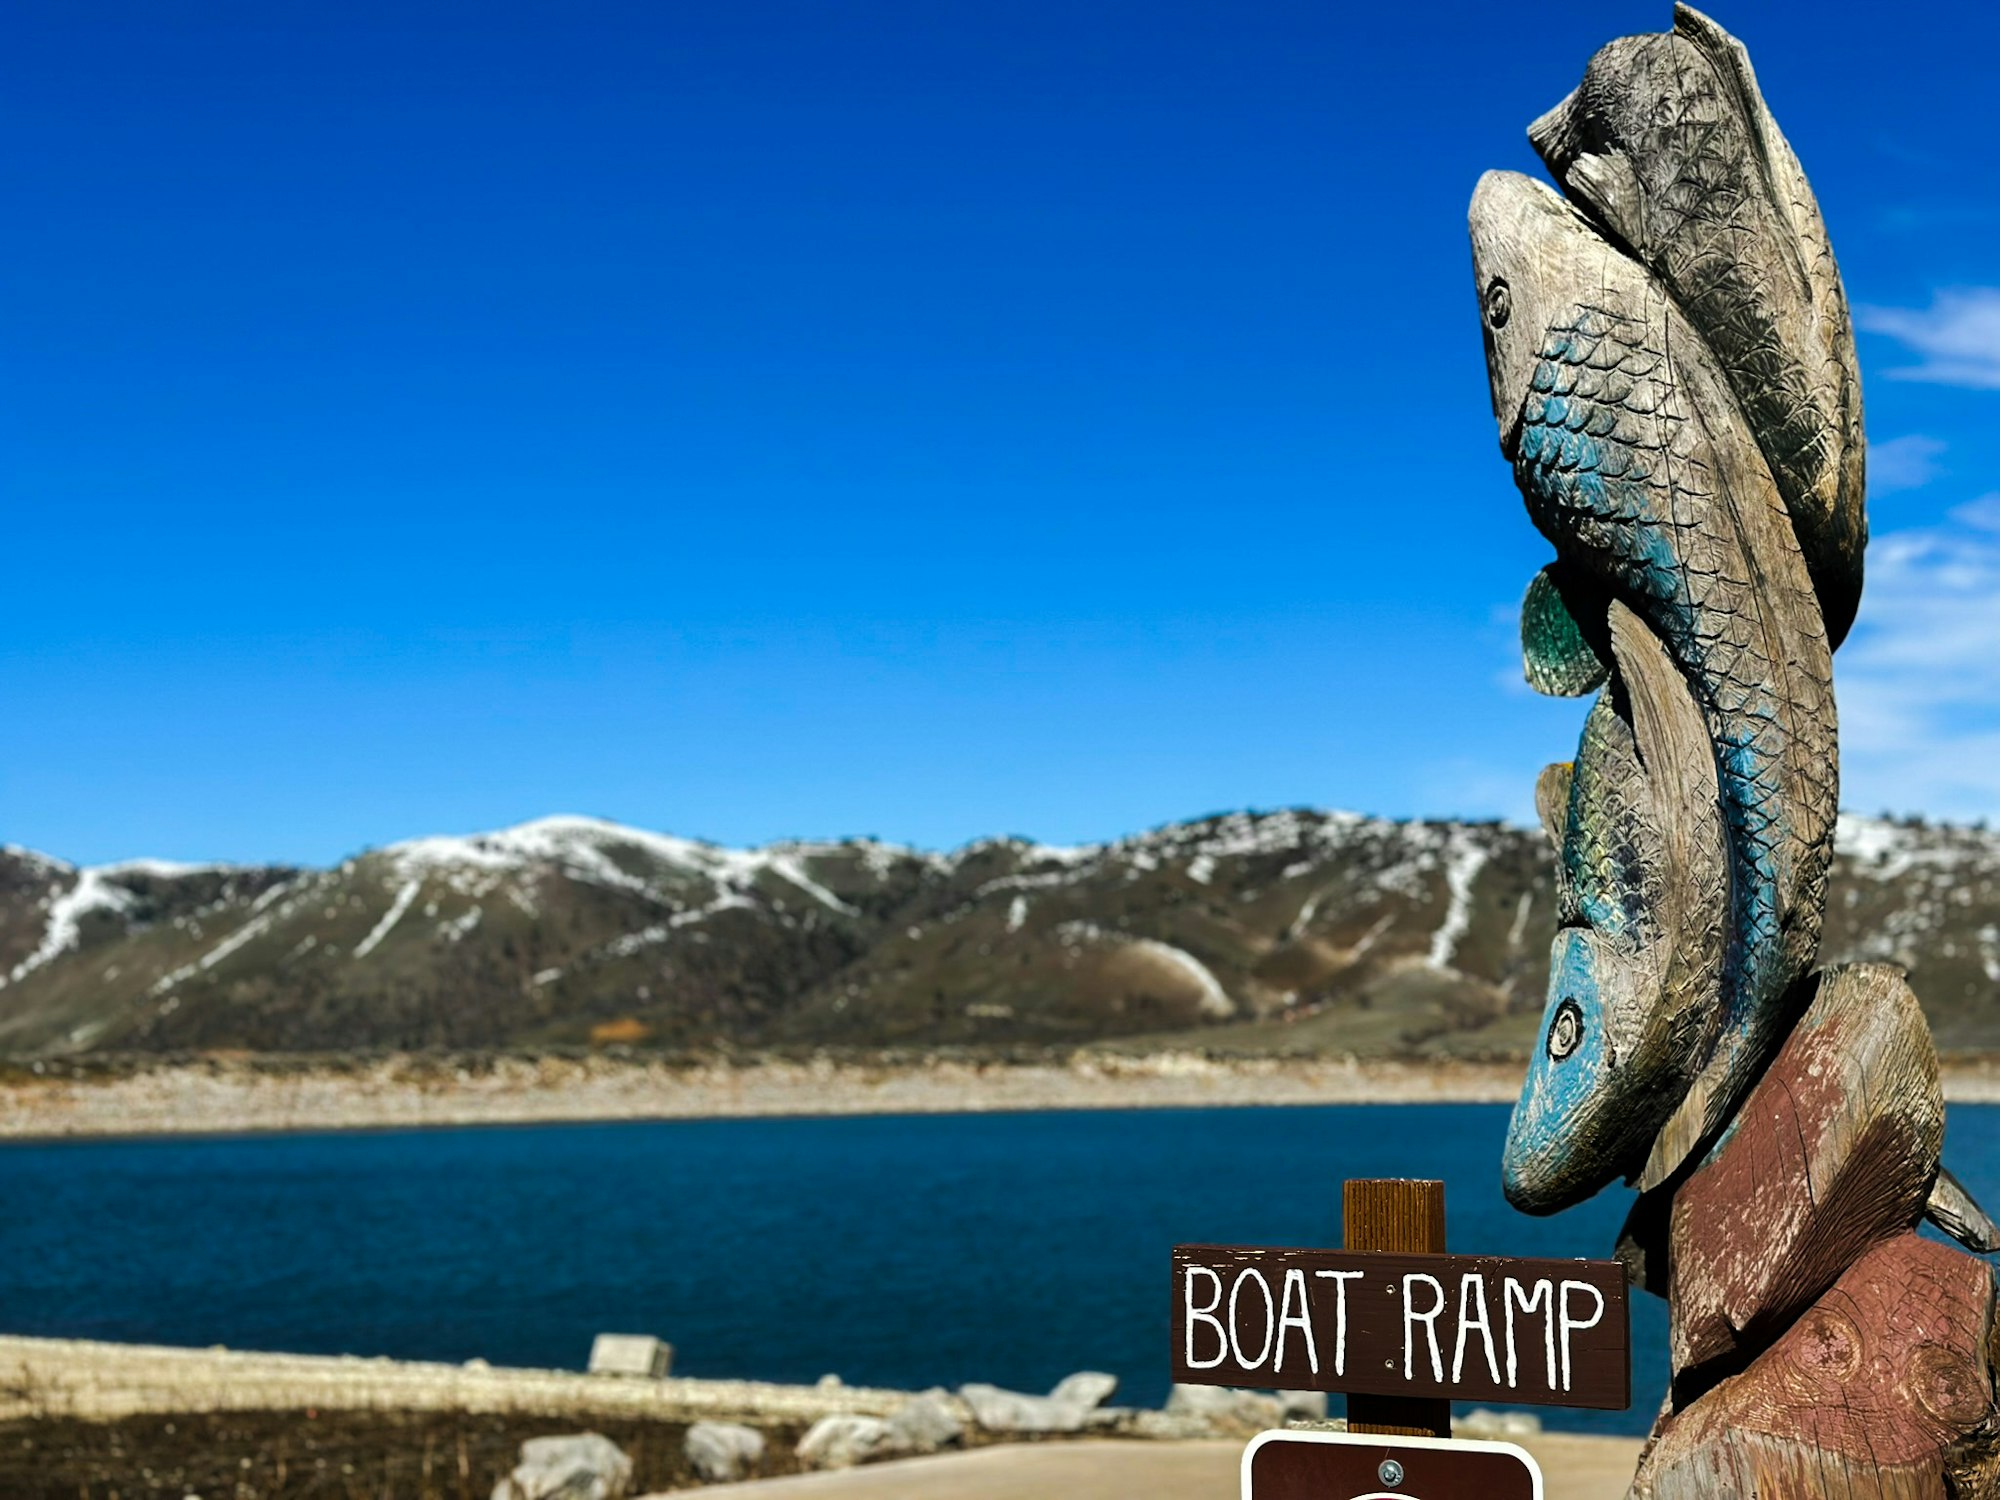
(898, 1251)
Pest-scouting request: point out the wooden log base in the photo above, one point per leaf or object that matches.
(1883, 1390)
(1834, 1151)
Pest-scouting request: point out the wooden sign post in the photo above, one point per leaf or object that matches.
(1395, 1215)
(1398, 1325)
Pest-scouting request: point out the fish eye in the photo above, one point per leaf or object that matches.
(1566, 1031)
(1499, 302)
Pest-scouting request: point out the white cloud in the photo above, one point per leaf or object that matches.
(1919, 681)
(1904, 463)
(1983, 513)
(1957, 337)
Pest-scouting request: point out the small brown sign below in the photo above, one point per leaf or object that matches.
(1465, 1327)
(1348, 1466)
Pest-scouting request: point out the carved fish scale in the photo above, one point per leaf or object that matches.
(1625, 464)
(1611, 855)
(1668, 142)
(1635, 966)
(1684, 421)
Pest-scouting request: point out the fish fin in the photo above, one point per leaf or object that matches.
(1562, 651)
(1552, 799)
(1609, 187)
(1553, 135)
(1731, 61)
(1835, 544)
(1667, 725)
(1676, 755)
(1959, 1215)
(1678, 761)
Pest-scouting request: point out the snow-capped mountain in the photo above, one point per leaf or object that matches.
(1295, 930)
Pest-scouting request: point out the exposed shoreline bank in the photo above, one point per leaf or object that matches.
(83, 1416)
(231, 1097)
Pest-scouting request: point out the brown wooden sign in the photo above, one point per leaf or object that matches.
(1343, 1466)
(1462, 1327)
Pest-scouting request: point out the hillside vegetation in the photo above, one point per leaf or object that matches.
(1294, 931)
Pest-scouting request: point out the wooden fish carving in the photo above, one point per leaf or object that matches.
(1668, 144)
(1636, 966)
(1637, 463)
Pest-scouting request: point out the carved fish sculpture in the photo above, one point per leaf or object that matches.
(1667, 142)
(1637, 463)
(1637, 961)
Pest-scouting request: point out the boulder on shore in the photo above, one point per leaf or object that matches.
(925, 1423)
(1225, 1410)
(841, 1442)
(1303, 1406)
(1067, 1408)
(586, 1466)
(723, 1452)
(1089, 1389)
(637, 1354)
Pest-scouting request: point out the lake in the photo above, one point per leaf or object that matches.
(895, 1251)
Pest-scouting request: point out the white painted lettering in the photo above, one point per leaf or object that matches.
(1571, 1325)
(1339, 1280)
(1471, 1295)
(1543, 1297)
(1429, 1319)
(1295, 1281)
(1206, 1315)
(1251, 1273)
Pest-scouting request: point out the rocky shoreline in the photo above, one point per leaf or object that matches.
(51, 1100)
(86, 1416)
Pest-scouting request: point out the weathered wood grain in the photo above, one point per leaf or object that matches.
(1673, 374)
(1637, 463)
(1878, 1392)
(1955, 1211)
(1669, 143)
(1415, 1330)
(1395, 1214)
(1635, 969)
(1834, 1151)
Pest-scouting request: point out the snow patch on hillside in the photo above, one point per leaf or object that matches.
(1883, 850)
(1462, 866)
(244, 934)
(1215, 1000)
(98, 888)
(581, 848)
(389, 918)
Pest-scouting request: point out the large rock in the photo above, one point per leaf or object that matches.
(1067, 1408)
(1303, 1406)
(630, 1354)
(1503, 1426)
(1089, 1389)
(925, 1423)
(841, 1442)
(999, 1410)
(723, 1452)
(1224, 1410)
(586, 1466)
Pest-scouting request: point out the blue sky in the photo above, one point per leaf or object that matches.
(925, 420)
